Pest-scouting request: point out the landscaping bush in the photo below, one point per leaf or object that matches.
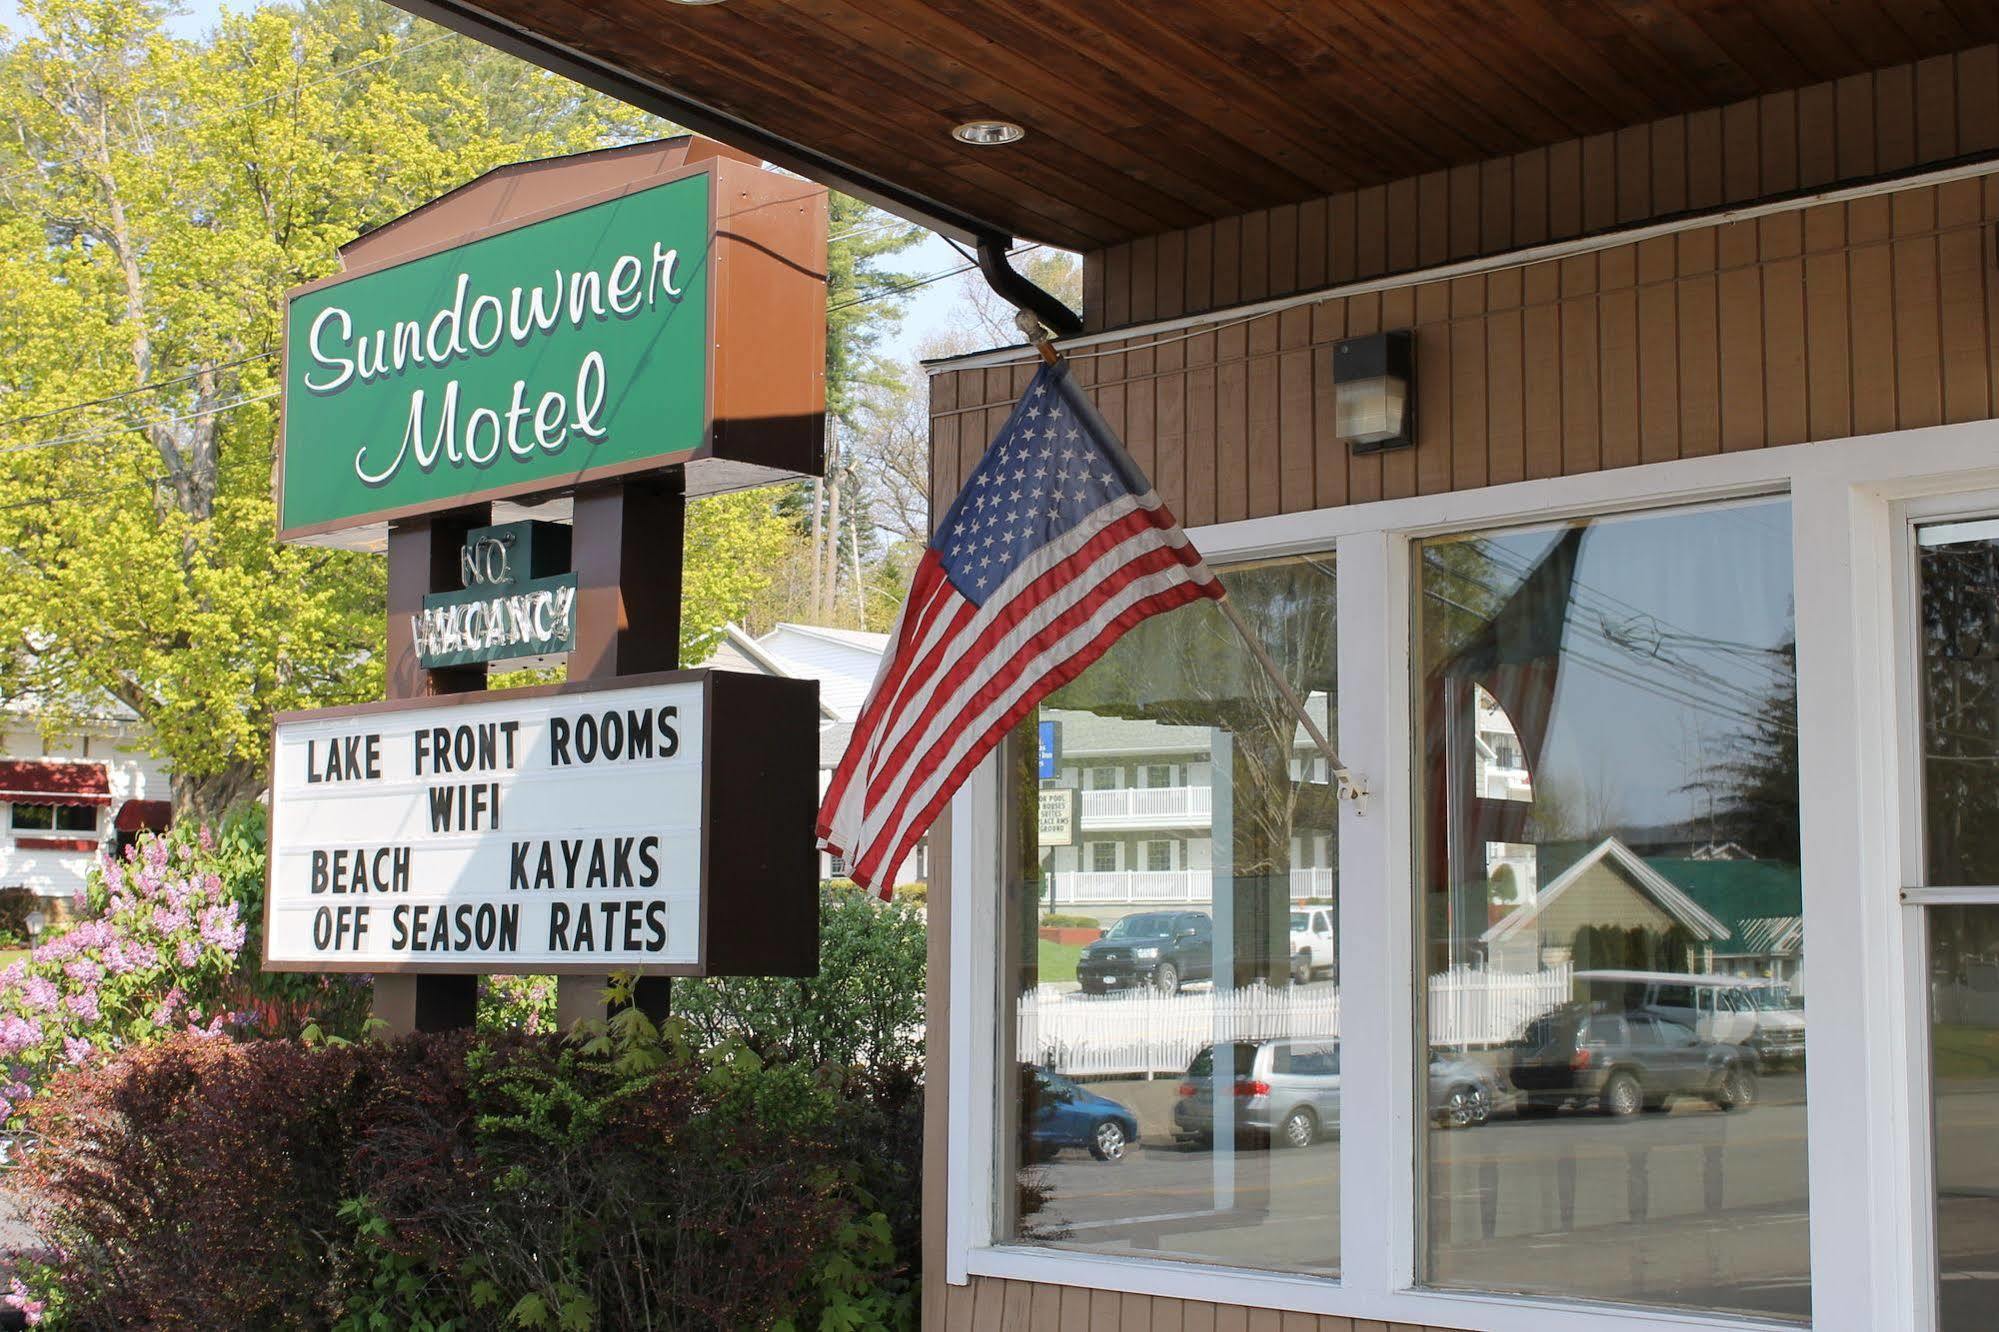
(196, 1183)
(517, 1005)
(863, 1009)
(460, 1182)
(1058, 920)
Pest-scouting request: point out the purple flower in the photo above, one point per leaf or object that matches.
(83, 1004)
(75, 1049)
(18, 1034)
(188, 952)
(39, 994)
(18, 1297)
(219, 928)
(84, 971)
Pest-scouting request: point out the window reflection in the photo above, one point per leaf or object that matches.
(1612, 925)
(1959, 566)
(1964, 1061)
(1175, 1054)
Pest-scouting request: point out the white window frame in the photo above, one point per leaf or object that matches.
(1867, 1079)
(1917, 896)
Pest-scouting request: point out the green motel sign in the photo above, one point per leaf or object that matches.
(531, 359)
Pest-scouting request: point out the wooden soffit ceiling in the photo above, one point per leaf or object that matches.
(1147, 117)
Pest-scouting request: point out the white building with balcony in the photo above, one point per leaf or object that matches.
(1144, 823)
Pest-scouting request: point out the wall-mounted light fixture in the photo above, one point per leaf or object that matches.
(1374, 391)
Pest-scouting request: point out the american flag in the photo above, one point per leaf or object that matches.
(1056, 546)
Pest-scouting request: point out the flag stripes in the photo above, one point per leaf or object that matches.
(1056, 547)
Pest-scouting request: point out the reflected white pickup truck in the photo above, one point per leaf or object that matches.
(1313, 947)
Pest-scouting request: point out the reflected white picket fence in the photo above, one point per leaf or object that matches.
(1146, 1032)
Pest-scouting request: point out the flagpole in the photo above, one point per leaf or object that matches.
(1349, 785)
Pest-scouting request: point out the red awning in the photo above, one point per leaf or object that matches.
(53, 782)
(144, 815)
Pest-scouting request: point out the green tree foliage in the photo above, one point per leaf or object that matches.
(157, 197)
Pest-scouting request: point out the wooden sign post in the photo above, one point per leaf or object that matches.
(608, 334)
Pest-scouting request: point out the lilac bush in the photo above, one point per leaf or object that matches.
(152, 950)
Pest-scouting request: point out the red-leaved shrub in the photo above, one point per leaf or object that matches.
(436, 1180)
(196, 1183)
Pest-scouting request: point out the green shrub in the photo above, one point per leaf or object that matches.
(863, 1009)
(1056, 920)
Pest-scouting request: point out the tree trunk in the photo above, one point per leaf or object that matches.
(860, 588)
(207, 798)
(830, 594)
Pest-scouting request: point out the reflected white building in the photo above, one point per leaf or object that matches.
(1144, 834)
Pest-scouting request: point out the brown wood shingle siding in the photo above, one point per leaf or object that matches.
(1834, 320)
(991, 1305)
(1865, 125)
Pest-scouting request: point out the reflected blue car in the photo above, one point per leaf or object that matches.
(1061, 1113)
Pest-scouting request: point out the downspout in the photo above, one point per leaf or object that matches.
(1022, 295)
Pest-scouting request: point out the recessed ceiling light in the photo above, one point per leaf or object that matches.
(987, 133)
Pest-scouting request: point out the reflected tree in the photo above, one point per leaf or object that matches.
(1960, 645)
(1189, 668)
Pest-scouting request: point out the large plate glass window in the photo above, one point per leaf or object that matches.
(1170, 1047)
(1612, 944)
(1958, 632)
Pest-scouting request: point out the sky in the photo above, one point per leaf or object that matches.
(196, 17)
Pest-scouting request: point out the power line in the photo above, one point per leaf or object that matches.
(142, 388)
(130, 426)
(919, 282)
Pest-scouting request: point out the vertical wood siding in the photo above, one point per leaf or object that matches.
(1836, 320)
(1812, 138)
(988, 1304)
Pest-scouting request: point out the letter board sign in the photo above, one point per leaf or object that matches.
(1057, 810)
(677, 321)
(658, 823)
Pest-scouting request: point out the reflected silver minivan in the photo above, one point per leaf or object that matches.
(1288, 1091)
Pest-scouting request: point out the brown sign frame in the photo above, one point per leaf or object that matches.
(759, 901)
(766, 258)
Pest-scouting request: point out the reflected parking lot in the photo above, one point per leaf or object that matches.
(1510, 1195)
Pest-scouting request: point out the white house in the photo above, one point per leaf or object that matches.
(69, 795)
(844, 662)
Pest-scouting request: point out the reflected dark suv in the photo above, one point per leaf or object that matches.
(1622, 1062)
(1161, 948)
